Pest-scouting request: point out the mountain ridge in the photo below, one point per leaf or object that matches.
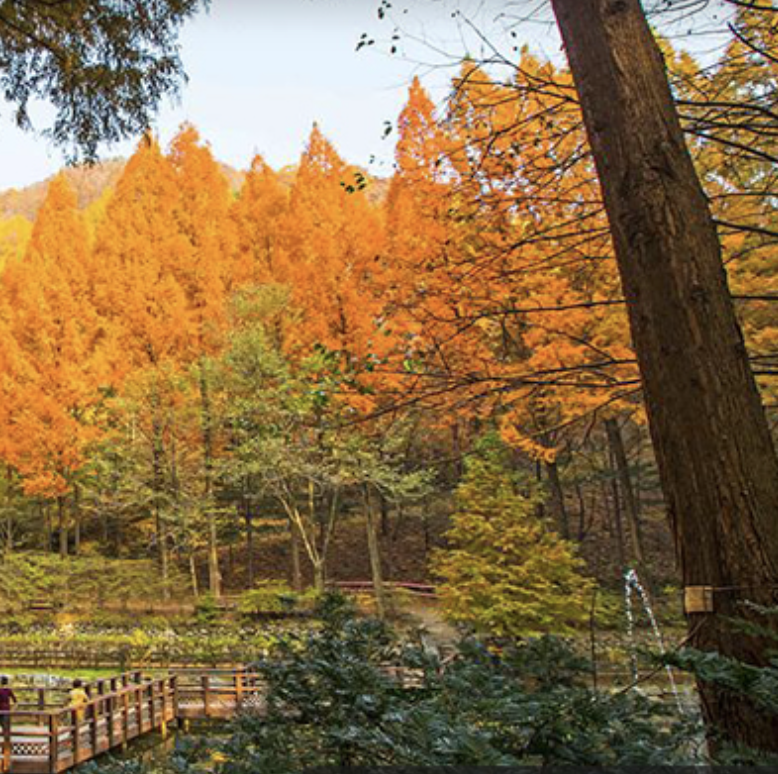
(91, 181)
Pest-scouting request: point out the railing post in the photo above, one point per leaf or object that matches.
(53, 742)
(41, 698)
(109, 720)
(206, 686)
(152, 705)
(7, 739)
(177, 701)
(126, 718)
(76, 736)
(238, 689)
(94, 719)
(139, 709)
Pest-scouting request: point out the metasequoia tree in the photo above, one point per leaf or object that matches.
(142, 259)
(258, 213)
(332, 238)
(62, 340)
(507, 291)
(716, 459)
(204, 218)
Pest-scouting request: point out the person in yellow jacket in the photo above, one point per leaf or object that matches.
(78, 699)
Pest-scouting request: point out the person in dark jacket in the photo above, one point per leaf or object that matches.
(7, 702)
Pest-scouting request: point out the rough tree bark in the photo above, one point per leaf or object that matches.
(716, 459)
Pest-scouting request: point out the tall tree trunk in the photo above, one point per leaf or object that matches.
(540, 508)
(385, 523)
(214, 574)
(249, 519)
(294, 546)
(158, 469)
(46, 513)
(618, 528)
(716, 459)
(76, 520)
(374, 553)
(619, 456)
(164, 553)
(318, 575)
(558, 499)
(582, 525)
(9, 518)
(62, 524)
(193, 575)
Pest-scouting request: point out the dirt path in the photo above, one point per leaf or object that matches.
(426, 615)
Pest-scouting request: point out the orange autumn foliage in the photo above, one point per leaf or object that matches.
(54, 348)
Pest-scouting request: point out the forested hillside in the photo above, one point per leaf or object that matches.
(302, 368)
(523, 388)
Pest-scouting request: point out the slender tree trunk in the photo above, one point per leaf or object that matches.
(318, 575)
(9, 520)
(164, 554)
(619, 456)
(158, 461)
(76, 520)
(193, 575)
(618, 529)
(294, 546)
(582, 526)
(558, 499)
(385, 524)
(716, 459)
(374, 553)
(214, 574)
(249, 519)
(456, 447)
(46, 513)
(63, 528)
(540, 509)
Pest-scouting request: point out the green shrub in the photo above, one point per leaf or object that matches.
(505, 571)
(331, 702)
(268, 598)
(207, 611)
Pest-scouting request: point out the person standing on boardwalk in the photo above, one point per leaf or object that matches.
(7, 701)
(78, 698)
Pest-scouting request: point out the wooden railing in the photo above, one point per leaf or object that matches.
(47, 741)
(95, 658)
(218, 693)
(47, 737)
(423, 590)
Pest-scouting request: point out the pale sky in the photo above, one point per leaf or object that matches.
(262, 71)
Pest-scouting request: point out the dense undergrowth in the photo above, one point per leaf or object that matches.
(351, 692)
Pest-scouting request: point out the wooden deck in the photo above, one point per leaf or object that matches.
(217, 693)
(47, 737)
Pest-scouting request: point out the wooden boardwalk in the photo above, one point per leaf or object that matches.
(47, 737)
